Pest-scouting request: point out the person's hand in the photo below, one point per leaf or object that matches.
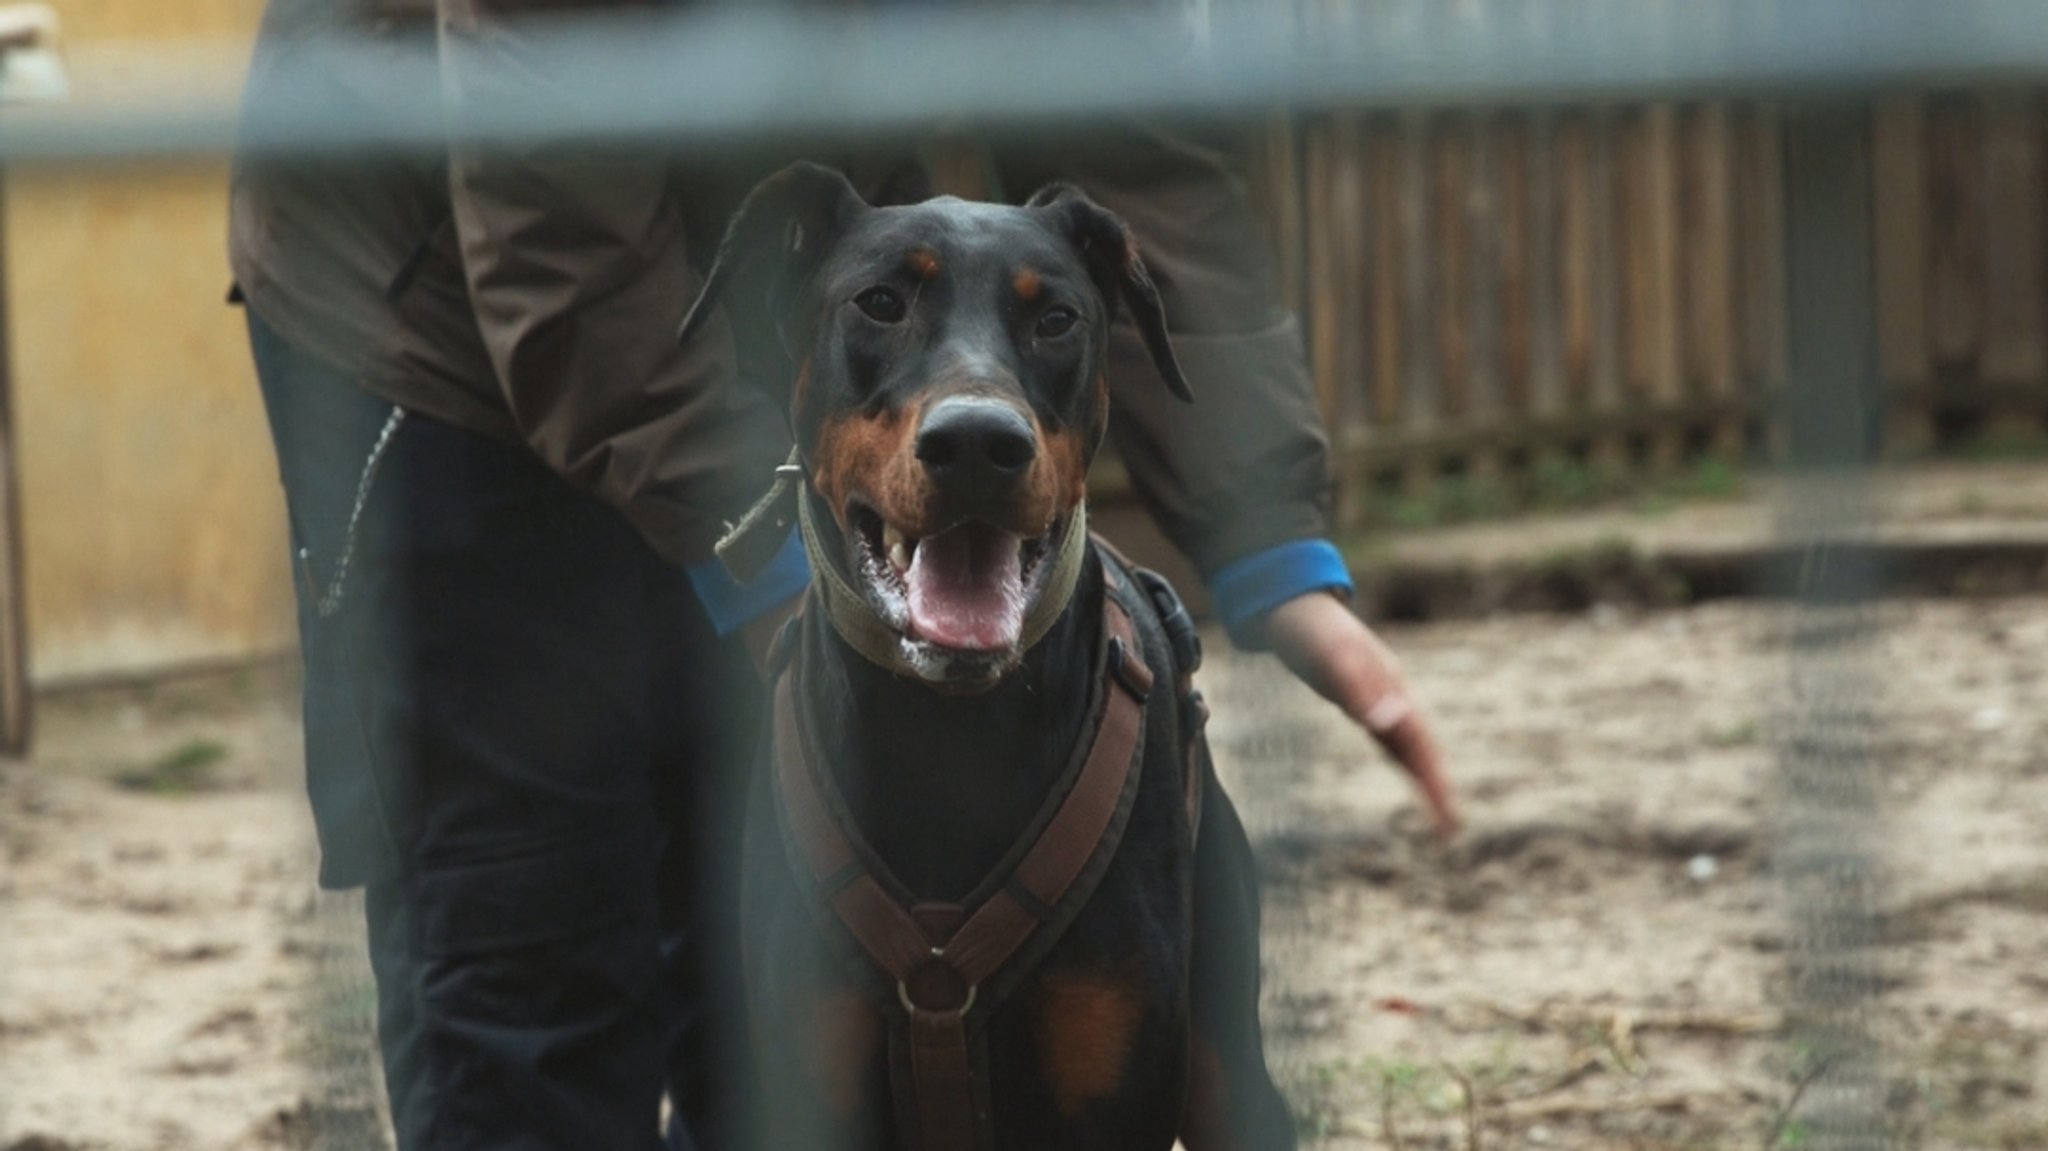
(757, 635)
(1333, 651)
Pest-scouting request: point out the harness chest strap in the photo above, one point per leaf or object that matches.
(939, 957)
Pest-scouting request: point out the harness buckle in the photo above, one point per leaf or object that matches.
(941, 987)
(1129, 669)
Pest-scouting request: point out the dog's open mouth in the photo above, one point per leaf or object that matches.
(964, 589)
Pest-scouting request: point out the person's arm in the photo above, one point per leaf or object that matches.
(1240, 480)
(756, 610)
(1293, 600)
(578, 274)
(1329, 648)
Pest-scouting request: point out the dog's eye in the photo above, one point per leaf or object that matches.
(882, 305)
(1057, 322)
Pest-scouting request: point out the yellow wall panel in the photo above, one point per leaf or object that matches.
(155, 19)
(152, 520)
(151, 511)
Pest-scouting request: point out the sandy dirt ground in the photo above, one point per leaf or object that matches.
(1598, 963)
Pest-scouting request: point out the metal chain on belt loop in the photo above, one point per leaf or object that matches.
(329, 602)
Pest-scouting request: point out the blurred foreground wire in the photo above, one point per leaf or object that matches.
(1828, 851)
(346, 1108)
(743, 77)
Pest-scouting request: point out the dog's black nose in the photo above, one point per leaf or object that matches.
(973, 438)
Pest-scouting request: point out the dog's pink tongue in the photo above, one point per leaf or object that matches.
(967, 589)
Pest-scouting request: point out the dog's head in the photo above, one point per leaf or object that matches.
(942, 365)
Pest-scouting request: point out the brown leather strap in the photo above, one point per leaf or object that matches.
(942, 1082)
(1195, 721)
(938, 971)
(1001, 925)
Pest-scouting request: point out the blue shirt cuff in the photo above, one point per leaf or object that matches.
(732, 605)
(1244, 590)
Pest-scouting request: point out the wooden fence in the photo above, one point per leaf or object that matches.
(1962, 269)
(1486, 291)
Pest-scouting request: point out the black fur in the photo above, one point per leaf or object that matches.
(942, 784)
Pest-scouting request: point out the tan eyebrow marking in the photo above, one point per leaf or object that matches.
(923, 262)
(1027, 284)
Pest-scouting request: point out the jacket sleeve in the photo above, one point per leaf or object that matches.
(1245, 468)
(577, 271)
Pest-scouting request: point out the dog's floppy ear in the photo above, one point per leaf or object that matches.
(773, 245)
(1112, 255)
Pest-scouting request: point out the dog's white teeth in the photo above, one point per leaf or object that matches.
(899, 548)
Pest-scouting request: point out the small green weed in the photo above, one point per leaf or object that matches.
(1743, 733)
(1559, 481)
(1794, 1134)
(1314, 1090)
(1712, 478)
(180, 771)
(2006, 442)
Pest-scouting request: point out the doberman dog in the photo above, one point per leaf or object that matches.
(995, 898)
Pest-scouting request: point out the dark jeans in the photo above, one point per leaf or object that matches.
(523, 736)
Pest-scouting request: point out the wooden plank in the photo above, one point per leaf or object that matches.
(1321, 220)
(1709, 265)
(1348, 199)
(16, 705)
(1771, 288)
(1637, 261)
(1608, 452)
(1955, 200)
(1484, 405)
(1544, 308)
(1512, 166)
(1652, 307)
(1761, 220)
(1900, 167)
(1667, 280)
(1451, 171)
(1334, 221)
(1899, 188)
(1383, 164)
(1575, 255)
(1424, 403)
(2015, 347)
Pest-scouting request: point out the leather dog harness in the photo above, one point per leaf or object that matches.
(948, 962)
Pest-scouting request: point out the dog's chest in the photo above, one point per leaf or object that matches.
(943, 807)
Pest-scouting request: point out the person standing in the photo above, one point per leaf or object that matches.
(524, 700)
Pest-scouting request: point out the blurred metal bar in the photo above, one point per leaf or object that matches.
(17, 707)
(1828, 847)
(711, 77)
(23, 31)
